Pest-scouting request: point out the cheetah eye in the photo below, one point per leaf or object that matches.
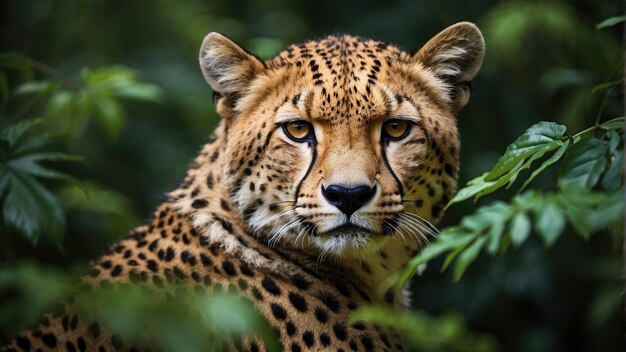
(298, 130)
(396, 129)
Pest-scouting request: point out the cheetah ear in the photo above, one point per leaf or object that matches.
(227, 68)
(455, 55)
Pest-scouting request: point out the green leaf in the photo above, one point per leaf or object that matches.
(13, 133)
(614, 124)
(520, 228)
(110, 115)
(450, 239)
(527, 144)
(140, 91)
(553, 159)
(611, 21)
(467, 257)
(549, 222)
(605, 85)
(33, 87)
(583, 164)
(614, 175)
(30, 209)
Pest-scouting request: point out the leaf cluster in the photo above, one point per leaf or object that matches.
(589, 195)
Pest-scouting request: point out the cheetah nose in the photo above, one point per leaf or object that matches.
(348, 199)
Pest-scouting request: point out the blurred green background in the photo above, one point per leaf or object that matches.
(542, 60)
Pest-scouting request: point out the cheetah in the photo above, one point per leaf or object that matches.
(329, 167)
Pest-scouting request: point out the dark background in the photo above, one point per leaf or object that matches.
(542, 60)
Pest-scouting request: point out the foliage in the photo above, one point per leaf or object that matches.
(132, 151)
(193, 321)
(28, 207)
(587, 164)
(424, 333)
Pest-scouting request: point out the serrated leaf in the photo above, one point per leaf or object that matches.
(611, 21)
(583, 164)
(519, 228)
(536, 136)
(467, 257)
(549, 222)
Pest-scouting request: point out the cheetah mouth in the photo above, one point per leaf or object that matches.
(347, 230)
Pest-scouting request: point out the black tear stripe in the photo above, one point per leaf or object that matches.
(393, 174)
(313, 146)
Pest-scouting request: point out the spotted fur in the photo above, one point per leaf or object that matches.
(251, 215)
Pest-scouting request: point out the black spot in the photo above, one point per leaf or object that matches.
(389, 297)
(224, 205)
(278, 311)
(298, 301)
(94, 330)
(199, 203)
(245, 269)
(70, 347)
(49, 339)
(23, 343)
(295, 347)
(257, 294)
(82, 347)
(270, 286)
(342, 288)
(359, 325)
(321, 315)
(325, 339)
(308, 338)
(300, 281)
(291, 329)
(152, 265)
(229, 268)
(206, 261)
(340, 331)
(367, 343)
(254, 347)
(330, 301)
(210, 181)
(116, 271)
(169, 254)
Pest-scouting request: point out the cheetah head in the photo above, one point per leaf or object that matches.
(342, 144)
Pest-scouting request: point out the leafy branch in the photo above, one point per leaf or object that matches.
(589, 196)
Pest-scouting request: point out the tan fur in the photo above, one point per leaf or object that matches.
(251, 213)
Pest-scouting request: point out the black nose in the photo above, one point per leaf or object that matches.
(348, 199)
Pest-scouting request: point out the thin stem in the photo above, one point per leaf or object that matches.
(40, 66)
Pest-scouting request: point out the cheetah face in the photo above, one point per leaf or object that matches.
(343, 143)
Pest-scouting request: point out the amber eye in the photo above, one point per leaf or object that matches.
(298, 130)
(396, 129)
